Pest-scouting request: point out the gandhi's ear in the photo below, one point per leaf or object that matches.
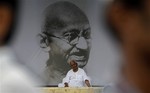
(43, 42)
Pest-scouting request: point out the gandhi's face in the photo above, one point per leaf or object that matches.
(72, 42)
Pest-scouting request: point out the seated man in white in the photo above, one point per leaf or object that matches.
(76, 77)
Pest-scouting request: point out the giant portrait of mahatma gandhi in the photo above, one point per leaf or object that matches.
(66, 32)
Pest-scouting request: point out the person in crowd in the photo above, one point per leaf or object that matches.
(129, 23)
(14, 78)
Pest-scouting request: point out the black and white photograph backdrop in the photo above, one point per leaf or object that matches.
(53, 32)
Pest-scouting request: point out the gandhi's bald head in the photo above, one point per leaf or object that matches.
(61, 14)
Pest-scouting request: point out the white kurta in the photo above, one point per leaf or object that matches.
(76, 79)
(13, 77)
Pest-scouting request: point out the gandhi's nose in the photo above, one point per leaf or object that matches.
(82, 43)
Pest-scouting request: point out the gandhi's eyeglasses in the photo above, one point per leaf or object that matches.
(72, 37)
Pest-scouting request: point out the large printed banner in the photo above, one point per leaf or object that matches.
(53, 32)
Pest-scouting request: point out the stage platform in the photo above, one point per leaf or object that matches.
(72, 90)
